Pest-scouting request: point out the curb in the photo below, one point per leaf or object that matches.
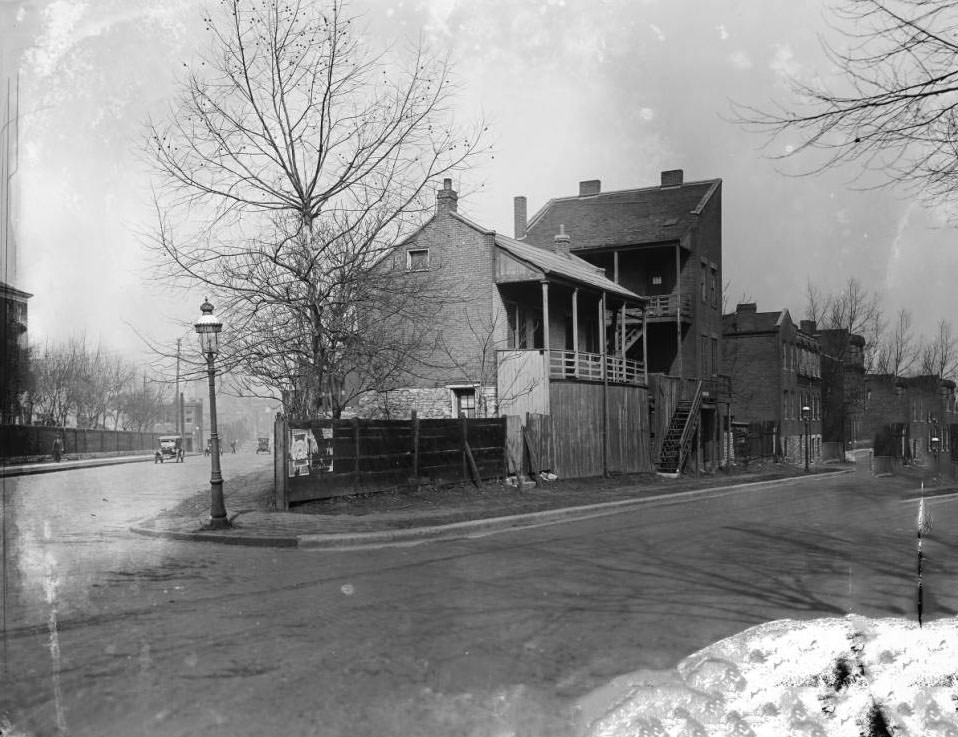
(54, 466)
(454, 530)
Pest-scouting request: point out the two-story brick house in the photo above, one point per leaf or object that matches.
(663, 242)
(521, 328)
(775, 373)
(909, 418)
(843, 388)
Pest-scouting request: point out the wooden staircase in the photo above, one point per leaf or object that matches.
(633, 329)
(678, 439)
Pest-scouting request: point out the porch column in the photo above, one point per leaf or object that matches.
(645, 341)
(615, 266)
(678, 309)
(605, 387)
(545, 319)
(575, 328)
(622, 331)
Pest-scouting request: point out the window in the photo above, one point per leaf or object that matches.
(656, 281)
(417, 259)
(713, 287)
(465, 402)
(715, 356)
(704, 289)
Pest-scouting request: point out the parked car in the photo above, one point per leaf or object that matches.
(171, 448)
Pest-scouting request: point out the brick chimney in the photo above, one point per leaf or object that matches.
(519, 217)
(808, 326)
(672, 178)
(746, 308)
(447, 199)
(562, 241)
(592, 186)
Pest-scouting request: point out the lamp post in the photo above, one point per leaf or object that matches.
(806, 416)
(208, 328)
(936, 448)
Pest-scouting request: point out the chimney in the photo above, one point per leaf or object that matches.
(592, 186)
(447, 199)
(808, 326)
(562, 241)
(672, 178)
(746, 308)
(519, 217)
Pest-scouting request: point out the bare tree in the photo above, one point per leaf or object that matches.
(939, 356)
(892, 108)
(898, 350)
(854, 309)
(292, 163)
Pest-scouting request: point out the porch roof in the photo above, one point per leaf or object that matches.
(569, 267)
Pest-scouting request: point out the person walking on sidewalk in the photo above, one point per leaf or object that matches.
(57, 448)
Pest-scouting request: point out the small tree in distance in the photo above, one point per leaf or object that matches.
(289, 167)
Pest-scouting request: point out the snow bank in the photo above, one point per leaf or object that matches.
(850, 676)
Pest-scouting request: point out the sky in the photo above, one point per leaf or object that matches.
(572, 90)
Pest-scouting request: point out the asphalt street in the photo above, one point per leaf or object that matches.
(107, 633)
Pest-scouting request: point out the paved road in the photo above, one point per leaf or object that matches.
(486, 636)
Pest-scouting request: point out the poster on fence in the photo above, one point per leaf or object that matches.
(299, 442)
(322, 455)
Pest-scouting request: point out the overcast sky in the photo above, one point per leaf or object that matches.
(615, 90)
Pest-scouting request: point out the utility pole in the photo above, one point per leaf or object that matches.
(176, 397)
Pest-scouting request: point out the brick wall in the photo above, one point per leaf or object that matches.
(429, 403)
(752, 361)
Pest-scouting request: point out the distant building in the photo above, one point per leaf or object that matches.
(775, 371)
(15, 354)
(909, 418)
(843, 388)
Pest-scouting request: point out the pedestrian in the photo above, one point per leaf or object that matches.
(57, 448)
(233, 446)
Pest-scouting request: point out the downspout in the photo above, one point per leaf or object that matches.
(678, 310)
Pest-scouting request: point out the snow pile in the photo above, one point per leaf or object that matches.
(849, 677)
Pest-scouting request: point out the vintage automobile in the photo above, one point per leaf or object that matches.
(262, 444)
(171, 448)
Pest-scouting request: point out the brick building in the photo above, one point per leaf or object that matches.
(775, 371)
(843, 388)
(509, 319)
(909, 418)
(15, 354)
(663, 242)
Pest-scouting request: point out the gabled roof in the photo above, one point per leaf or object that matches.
(625, 217)
(569, 267)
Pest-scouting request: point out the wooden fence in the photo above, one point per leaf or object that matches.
(17, 441)
(323, 458)
(573, 440)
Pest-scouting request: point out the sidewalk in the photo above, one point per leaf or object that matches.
(397, 518)
(26, 469)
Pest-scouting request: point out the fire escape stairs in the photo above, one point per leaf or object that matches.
(678, 438)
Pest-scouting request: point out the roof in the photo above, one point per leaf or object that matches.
(753, 322)
(626, 217)
(8, 291)
(568, 267)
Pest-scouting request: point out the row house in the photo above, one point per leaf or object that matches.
(775, 372)
(910, 418)
(843, 389)
(663, 242)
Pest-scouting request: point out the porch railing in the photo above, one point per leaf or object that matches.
(588, 367)
(668, 305)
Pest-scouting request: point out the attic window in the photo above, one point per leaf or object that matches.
(417, 259)
(656, 281)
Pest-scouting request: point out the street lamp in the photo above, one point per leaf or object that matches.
(208, 328)
(806, 416)
(936, 449)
